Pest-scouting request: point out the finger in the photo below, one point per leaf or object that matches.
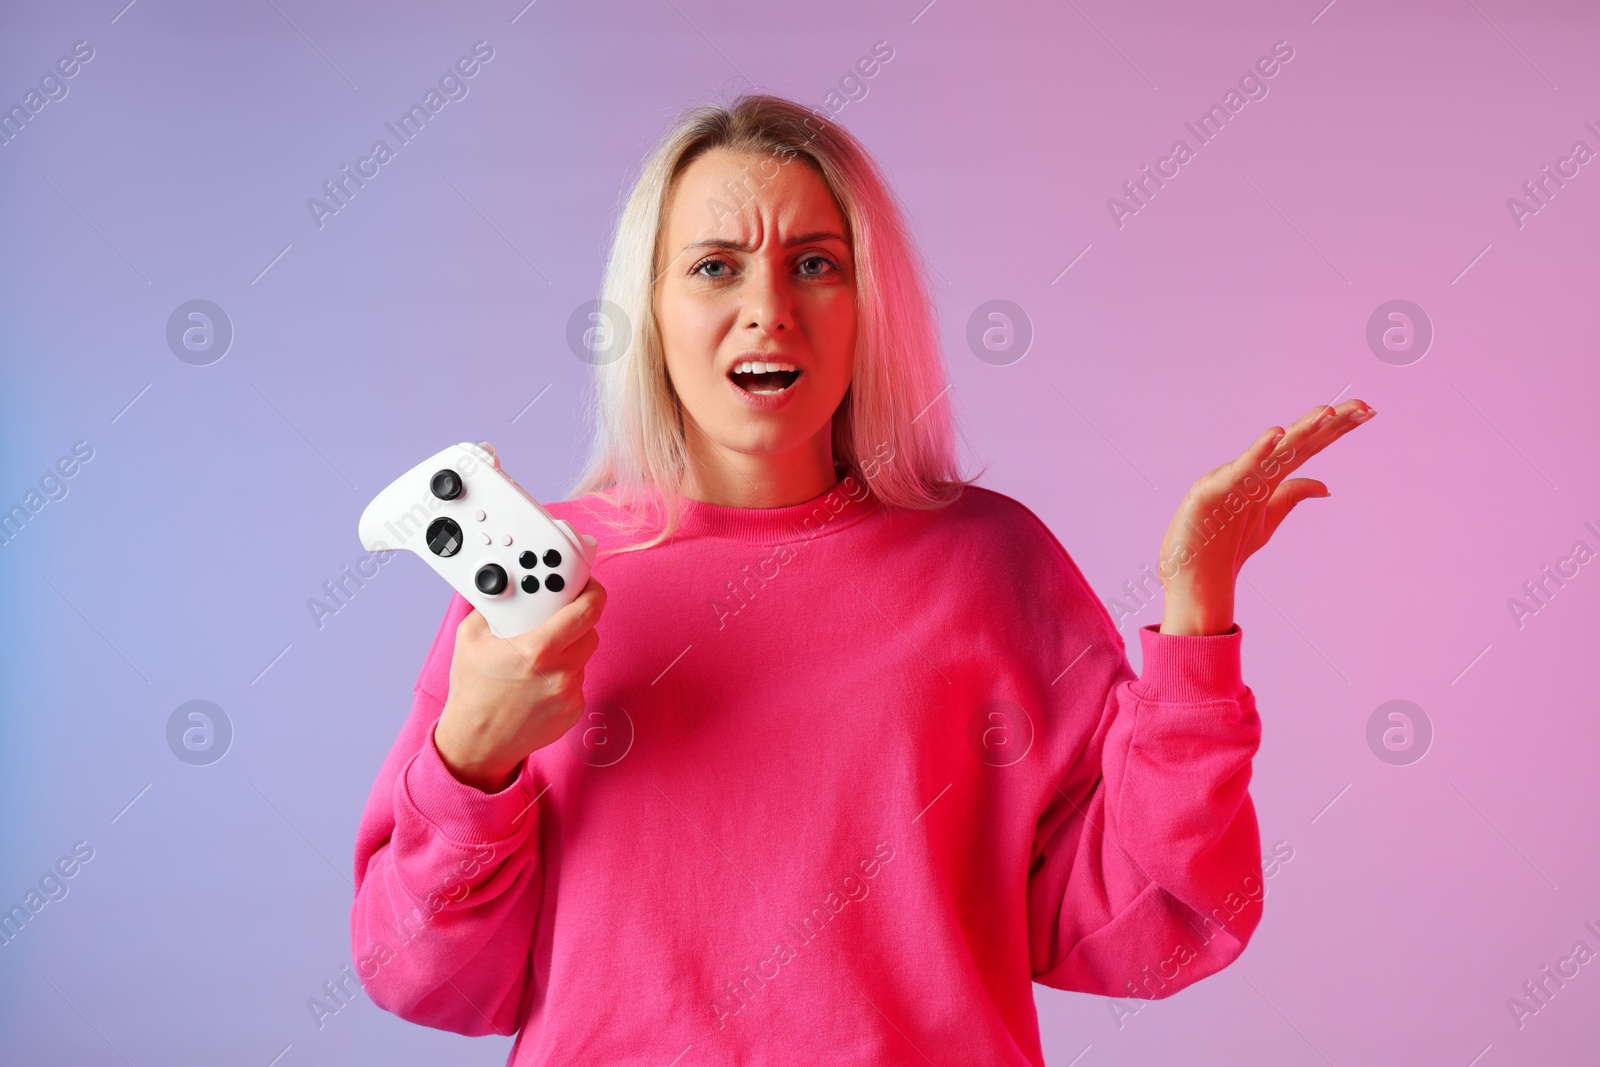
(581, 649)
(1316, 420)
(1344, 418)
(1263, 446)
(571, 622)
(1286, 496)
(1322, 417)
(471, 624)
(1310, 434)
(1307, 426)
(1256, 455)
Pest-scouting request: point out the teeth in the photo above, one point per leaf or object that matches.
(758, 367)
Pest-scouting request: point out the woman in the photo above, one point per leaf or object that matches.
(861, 756)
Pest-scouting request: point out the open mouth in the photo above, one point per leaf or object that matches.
(764, 379)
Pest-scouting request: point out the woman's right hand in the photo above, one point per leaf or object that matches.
(512, 695)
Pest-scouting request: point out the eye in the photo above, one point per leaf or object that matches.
(817, 259)
(710, 262)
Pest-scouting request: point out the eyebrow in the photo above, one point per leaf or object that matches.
(737, 246)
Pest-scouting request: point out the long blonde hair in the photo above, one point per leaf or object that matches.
(893, 429)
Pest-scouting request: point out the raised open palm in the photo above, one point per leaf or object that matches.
(1233, 509)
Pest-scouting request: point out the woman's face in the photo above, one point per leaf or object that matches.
(755, 301)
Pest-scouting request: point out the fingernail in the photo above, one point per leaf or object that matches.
(1358, 415)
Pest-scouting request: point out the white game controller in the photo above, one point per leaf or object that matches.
(509, 557)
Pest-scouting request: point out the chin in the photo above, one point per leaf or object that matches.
(774, 443)
(766, 435)
(737, 427)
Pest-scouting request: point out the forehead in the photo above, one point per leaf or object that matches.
(745, 195)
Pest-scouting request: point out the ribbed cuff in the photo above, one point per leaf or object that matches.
(1189, 669)
(462, 812)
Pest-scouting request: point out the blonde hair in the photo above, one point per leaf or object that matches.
(893, 429)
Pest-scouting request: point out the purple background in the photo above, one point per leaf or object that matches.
(433, 309)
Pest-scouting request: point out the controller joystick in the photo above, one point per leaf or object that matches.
(490, 579)
(446, 484)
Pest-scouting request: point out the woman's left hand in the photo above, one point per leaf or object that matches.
(1233, 510)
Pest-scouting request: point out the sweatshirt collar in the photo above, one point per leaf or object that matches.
(848, 502)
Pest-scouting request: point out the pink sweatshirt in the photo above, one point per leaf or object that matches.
(849, 780)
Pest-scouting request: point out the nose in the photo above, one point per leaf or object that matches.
(769, 304)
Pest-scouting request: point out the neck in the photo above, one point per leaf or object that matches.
(723, 476)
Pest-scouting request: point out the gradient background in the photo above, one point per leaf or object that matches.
(433, 309)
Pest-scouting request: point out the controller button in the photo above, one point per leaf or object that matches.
(444, 537)
(446, 484)
(552, 558)
(530, 583)
(528, 560)
(479, 515)
(490, 579)
(554, 582)
(486, 539)
(505, 539)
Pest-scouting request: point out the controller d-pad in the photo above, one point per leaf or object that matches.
(444, 537)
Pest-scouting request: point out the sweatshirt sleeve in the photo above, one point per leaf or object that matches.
(1145, 872)
(447, 878)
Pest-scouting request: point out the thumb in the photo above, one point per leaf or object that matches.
(1287, 495)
